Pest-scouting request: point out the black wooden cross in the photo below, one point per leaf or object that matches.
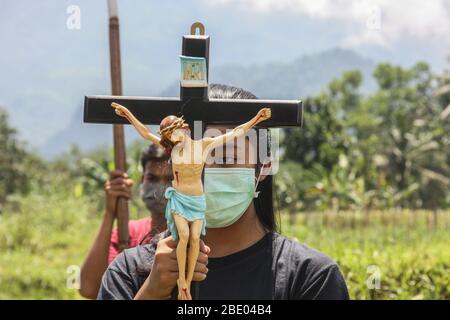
(194, 103)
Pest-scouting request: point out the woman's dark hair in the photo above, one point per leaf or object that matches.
(264, 202)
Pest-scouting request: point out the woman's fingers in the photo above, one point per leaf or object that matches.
(204, 248)
(198, 276)
(169, 246)
(169, 242)
(172, 266)
(201, 267)
(202, 258)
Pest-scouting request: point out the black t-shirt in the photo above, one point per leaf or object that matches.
(273, 268)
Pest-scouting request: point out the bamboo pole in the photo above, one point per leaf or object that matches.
(122, 213)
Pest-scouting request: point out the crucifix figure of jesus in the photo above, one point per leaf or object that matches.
(176, 117)
(185, 212)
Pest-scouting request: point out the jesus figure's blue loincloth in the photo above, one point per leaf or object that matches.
(188, 206)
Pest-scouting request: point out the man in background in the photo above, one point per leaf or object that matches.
(157, 175)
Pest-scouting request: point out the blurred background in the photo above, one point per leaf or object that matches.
(366, 180)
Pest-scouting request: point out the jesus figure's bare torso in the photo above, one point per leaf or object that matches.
(187, 166)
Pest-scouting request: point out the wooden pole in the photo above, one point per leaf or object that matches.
(118, 134)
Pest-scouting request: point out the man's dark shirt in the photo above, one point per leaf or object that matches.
(273, 268)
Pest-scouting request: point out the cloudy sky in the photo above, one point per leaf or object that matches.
(46, 68)
(381, 23)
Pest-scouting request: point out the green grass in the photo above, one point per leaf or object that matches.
(409, 248)
(38, 243)
(41, 236)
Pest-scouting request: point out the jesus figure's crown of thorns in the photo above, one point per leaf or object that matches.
(167, 131)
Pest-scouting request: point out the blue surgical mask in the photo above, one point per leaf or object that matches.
(228, 193)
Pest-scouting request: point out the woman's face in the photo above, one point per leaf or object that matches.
(241, 153)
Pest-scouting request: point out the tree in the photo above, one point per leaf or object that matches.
(13, 172)
(387, 149)
(324, 135)
(411, 134)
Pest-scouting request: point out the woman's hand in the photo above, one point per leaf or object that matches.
(164, 274)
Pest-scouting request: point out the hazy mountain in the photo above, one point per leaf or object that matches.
(304, 76)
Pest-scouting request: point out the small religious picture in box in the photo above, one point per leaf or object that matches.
(193, 72)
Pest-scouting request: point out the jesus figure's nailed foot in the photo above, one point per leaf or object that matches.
(188, 292)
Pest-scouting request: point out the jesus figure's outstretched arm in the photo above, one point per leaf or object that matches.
(142, 129)
(211, 143)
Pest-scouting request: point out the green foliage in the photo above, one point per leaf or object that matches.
(15, 162)
(410, 134)
(83, 174)
(40, 237)
(390, 149)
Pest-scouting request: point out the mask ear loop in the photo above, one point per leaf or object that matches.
(256, 193)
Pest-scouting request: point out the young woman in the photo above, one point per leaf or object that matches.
(245, 258)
